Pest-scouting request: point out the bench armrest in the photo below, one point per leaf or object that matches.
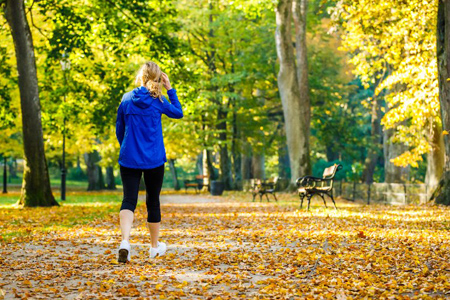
(268, 184)
(307, 180)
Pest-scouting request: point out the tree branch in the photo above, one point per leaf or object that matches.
(202, 57)
(222, 60)
(198, 36)
(34, 25)
(125, 14)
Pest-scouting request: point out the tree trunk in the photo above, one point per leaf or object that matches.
(199, 164)
(110, 179)
(94, 171)
(246, 162)
(209, 166)
(12, 168)
(300, 9)
(225, 166)
(173, 171)
(436, 157)
(376, 137)
(284, 170)
(36, 190)
(5, 176)
(235, 154)
(295, 100)
(442, 193)
(101, 180)
(237, 168)
(258, 169)
(392, 173)
(79, 170)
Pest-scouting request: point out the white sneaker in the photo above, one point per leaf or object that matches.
(159, 251)
(124, 252)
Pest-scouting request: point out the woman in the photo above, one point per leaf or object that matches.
(139, 131)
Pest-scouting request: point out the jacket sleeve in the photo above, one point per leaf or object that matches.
(172, 109)
(120, 124)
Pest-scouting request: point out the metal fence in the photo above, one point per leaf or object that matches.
(387, 193)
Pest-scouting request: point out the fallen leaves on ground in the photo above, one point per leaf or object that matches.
(228, 248)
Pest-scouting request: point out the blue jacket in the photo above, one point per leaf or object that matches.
(138, 127)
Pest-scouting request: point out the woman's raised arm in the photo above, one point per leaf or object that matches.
(172, 109)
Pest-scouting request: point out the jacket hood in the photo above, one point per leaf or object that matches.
(141, 97)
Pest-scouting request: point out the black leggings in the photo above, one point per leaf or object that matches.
(153, 182)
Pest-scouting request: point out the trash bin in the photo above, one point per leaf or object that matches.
(216, 188)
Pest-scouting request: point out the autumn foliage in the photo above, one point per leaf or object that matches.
(228, 248)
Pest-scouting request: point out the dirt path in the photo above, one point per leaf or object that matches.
(72, 265)
(186, 199)
(226, 249)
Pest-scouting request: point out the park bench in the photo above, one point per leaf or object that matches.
(309, 186)
(196, 183)
(262, 187)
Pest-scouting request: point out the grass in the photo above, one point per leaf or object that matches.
(54, 182)
(8, 199)
(72, 197)
(19, 224)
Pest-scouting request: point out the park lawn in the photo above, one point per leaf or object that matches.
(228, 248)
(22, 224)
(54, 181)
(80, 207)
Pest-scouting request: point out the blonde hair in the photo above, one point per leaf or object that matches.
(149, 75)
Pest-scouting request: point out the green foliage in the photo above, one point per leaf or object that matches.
(7, 113)
(10, 125)
(105, 41)
(230, 46)
(220, 56)
(349, 172)
(340, 122)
